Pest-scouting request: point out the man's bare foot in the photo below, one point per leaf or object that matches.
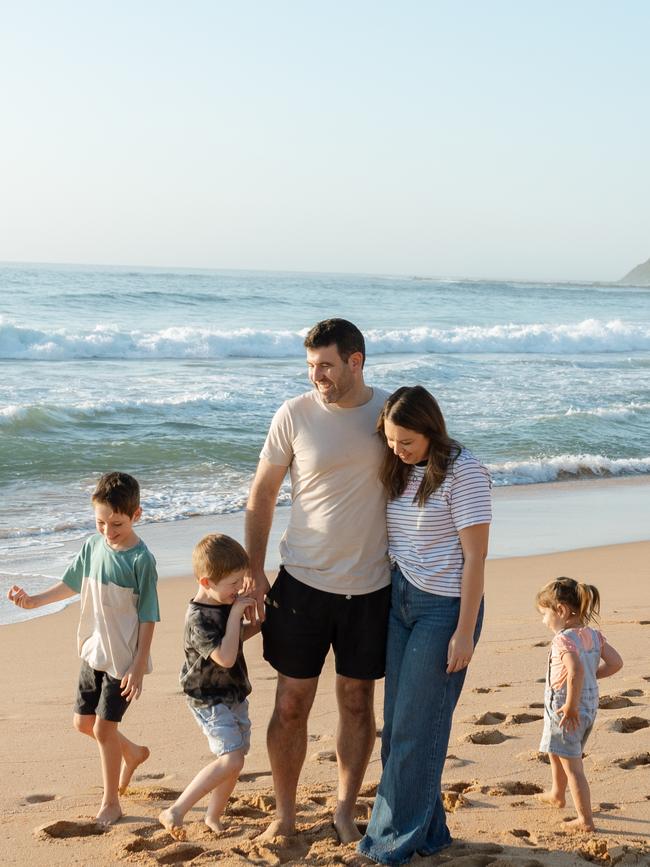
(213, 824)
(109, 814)
(277, 828)
(129, 763)
(346, 829)
(173, 823)
(579, 825)
(551, 799)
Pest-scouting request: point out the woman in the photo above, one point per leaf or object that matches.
(438, 517)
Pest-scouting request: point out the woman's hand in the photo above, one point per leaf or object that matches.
(460, 651)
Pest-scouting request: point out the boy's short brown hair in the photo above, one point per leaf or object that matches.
(120, 491)
(216, 556)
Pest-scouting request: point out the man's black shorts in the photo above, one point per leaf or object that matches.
(100, 694)
(303, 623)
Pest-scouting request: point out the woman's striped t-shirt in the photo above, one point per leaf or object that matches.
(424, 542)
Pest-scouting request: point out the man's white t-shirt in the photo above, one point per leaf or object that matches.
(336, 538)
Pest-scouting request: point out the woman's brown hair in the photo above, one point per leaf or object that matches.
(414, 408)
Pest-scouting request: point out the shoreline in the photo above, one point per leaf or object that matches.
(528, 520)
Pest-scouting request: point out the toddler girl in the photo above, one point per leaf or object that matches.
(578, 656)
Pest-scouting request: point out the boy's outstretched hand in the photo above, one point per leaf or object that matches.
(19, 597)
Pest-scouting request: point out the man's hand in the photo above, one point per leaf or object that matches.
(131, 683)
(569, 717)
(257, 587)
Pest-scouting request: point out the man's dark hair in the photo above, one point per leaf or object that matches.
(120, 491)
(345, 335)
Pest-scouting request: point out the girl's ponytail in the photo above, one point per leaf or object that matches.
(589, 602)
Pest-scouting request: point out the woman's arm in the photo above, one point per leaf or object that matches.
(474, 542)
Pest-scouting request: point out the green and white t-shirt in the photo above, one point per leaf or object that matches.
(118, 592)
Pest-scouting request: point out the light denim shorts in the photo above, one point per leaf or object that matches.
(560, 741)
(227, 728)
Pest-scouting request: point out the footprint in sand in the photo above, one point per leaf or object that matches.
(490, 718)
(455, 762)
(515, 788)
(254, 807)
(452, 801)
(536, 756)
(64, 829)
(613, 702)
(536, 705)
(629, 724)
(494, 736)
(142, 777)
(369, 790)
(249, 778)
(503, 685)
(180, 853)
(520, 832)
(151, 793)
(635, 761)
(607, 808)
(280, 850)
(645, 677)
(633, 692)
(541, 644)
(324, 756)
(482, 689)
(517, 719)
(37, 799)
(541, 680)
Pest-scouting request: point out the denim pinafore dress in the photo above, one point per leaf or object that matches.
(555, 739)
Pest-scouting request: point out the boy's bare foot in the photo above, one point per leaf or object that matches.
(130, 762)
(579, 825)
(173, 823)
(277, 828)
(109, 814)
(346, 829)
(551, 799)
(213, 824)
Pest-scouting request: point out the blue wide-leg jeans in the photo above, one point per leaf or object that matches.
(419, 702)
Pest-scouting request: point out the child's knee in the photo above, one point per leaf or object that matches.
(235, 760)
(84, 723)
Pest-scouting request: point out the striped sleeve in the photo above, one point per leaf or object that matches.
(470, 497)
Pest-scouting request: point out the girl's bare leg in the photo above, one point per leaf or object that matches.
(132, 754)
(217, 774)
(556, 797)
(579, 788)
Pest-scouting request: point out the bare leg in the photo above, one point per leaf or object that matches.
(221, 774)
(579, 788)
(110, 752)
(355, 738)
(132, 754)
(287, 745)
(219, 799)
(556, 797)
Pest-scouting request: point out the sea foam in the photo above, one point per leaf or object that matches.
(103, 341)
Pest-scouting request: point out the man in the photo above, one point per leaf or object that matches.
(333, 586)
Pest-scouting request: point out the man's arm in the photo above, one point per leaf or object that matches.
(259, 518)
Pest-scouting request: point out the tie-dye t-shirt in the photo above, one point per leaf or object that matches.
(204, 681)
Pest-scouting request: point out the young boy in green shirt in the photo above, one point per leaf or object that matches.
(115, 573)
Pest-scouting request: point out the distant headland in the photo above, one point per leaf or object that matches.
(639, 276)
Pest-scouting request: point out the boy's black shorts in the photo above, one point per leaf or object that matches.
(303, 623)
(100, 694)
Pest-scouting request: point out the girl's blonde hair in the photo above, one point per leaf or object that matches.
(582, 599)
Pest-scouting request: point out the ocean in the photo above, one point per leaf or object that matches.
(173, 375)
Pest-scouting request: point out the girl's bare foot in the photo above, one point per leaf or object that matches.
(109, 814)
(551, 799)
(579, 825)
(173, 823)
(130, 762)
(213, 824)
(277, 828)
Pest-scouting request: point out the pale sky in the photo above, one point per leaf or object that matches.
(462, 138)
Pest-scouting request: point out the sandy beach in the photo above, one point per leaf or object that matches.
(51, 779)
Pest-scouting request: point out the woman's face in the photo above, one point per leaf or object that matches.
(409, 446)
